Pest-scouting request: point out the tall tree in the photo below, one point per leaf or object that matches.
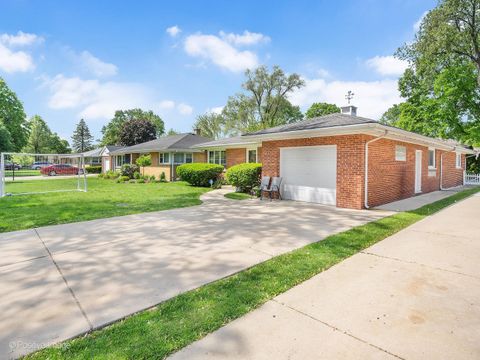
(442, 84)
(260, 107)
(211, 125)
(6, 142)
(392, 115)
(13, 117)
(172, 132)
(111, 132)
(39, 136)
(82, 140)
(321, 109)
(137, 131)
(58, 145)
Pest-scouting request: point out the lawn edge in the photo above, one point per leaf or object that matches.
(420, 213)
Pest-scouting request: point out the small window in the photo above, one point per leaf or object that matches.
(188, 158)
(400, 153)
(252, 156)
(431, 158)
(164, 158)
(458, 161)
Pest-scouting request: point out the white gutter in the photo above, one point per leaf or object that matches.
(366, 166)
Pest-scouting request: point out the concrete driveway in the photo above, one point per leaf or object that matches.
(415, 295)
(59, 281)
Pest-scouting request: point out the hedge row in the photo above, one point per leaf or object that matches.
(244, 177)
(199, 174)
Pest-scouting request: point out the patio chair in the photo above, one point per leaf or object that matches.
(264, 185)
(275, 187)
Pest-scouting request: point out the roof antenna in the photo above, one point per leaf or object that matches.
(349, 96)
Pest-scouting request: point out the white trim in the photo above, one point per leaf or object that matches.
(418, 171)
(250, 148)
(217, 150)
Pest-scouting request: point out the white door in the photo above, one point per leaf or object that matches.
(309, 173)
(418, 171)
(107, 165)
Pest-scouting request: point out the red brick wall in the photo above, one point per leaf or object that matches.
(390, 180)
(451, 175)
(350, 165)
(259, 154)
(235, 156)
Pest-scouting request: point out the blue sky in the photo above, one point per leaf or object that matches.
(68, 60)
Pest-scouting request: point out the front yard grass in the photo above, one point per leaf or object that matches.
(237, 196)
(177, 322)
(105, 198)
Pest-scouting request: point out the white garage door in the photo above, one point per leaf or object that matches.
(309, 173)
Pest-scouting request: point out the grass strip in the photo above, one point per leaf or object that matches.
(237, 196)
(177, 322)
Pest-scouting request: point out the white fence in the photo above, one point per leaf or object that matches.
(471, 179)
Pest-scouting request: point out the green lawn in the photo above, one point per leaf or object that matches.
(188, 317)
(23, 172)
(238, 196)
(105, 198)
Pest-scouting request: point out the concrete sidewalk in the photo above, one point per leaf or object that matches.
(60, 281)
(415, 295)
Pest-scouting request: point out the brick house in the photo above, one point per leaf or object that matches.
(346, 160)
(167, 152)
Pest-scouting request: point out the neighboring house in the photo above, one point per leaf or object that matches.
(100, 156)
(346, 160)
(167, 152)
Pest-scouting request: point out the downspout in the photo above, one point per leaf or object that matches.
(441, 167)
(366, 166)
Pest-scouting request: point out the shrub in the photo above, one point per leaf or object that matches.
(152, 178)
(132, 181)
(199, 174)
(100, 176)
(111, 175)
(141, 181)
(129, 170)
(123, 178)
(162, 177)
(244, 176)
(136, 175)
(94, 169)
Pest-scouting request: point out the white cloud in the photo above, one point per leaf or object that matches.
(166, 104)
(21, 39)
(95, 99)
(174, 31)
(387, 65)
(184, 109)
(97, 66)
(418, 23)
(215, 110)
(373, 98)
(247, 38)
(220, 52)
(15, 61)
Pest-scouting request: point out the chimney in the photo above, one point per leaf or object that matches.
(349, 110)
(197, 131)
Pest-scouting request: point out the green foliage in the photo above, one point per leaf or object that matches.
(111, 132)
(140, 181)
(6, 141)
(39, 137)
(128, 170)
(143, 161)
(13, 118)
(123, 178)
(210, 125)
(162, 177)
(442, 84)
(244, 176)
(172, 132)
(321, 109)
(82, 140)
(265, 103)
(391, 116)
(199, 174)
(24, 160)
(94, 169)
(110, 174)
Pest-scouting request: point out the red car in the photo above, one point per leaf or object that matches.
(61, 169)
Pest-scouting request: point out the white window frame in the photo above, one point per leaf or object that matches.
(162, 155)
(458, 160)
(220, 156)
(434, 166)
(185, 158)
(247, 150)
(121, 158)
(400, 153)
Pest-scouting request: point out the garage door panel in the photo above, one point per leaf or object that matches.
(309, 173)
